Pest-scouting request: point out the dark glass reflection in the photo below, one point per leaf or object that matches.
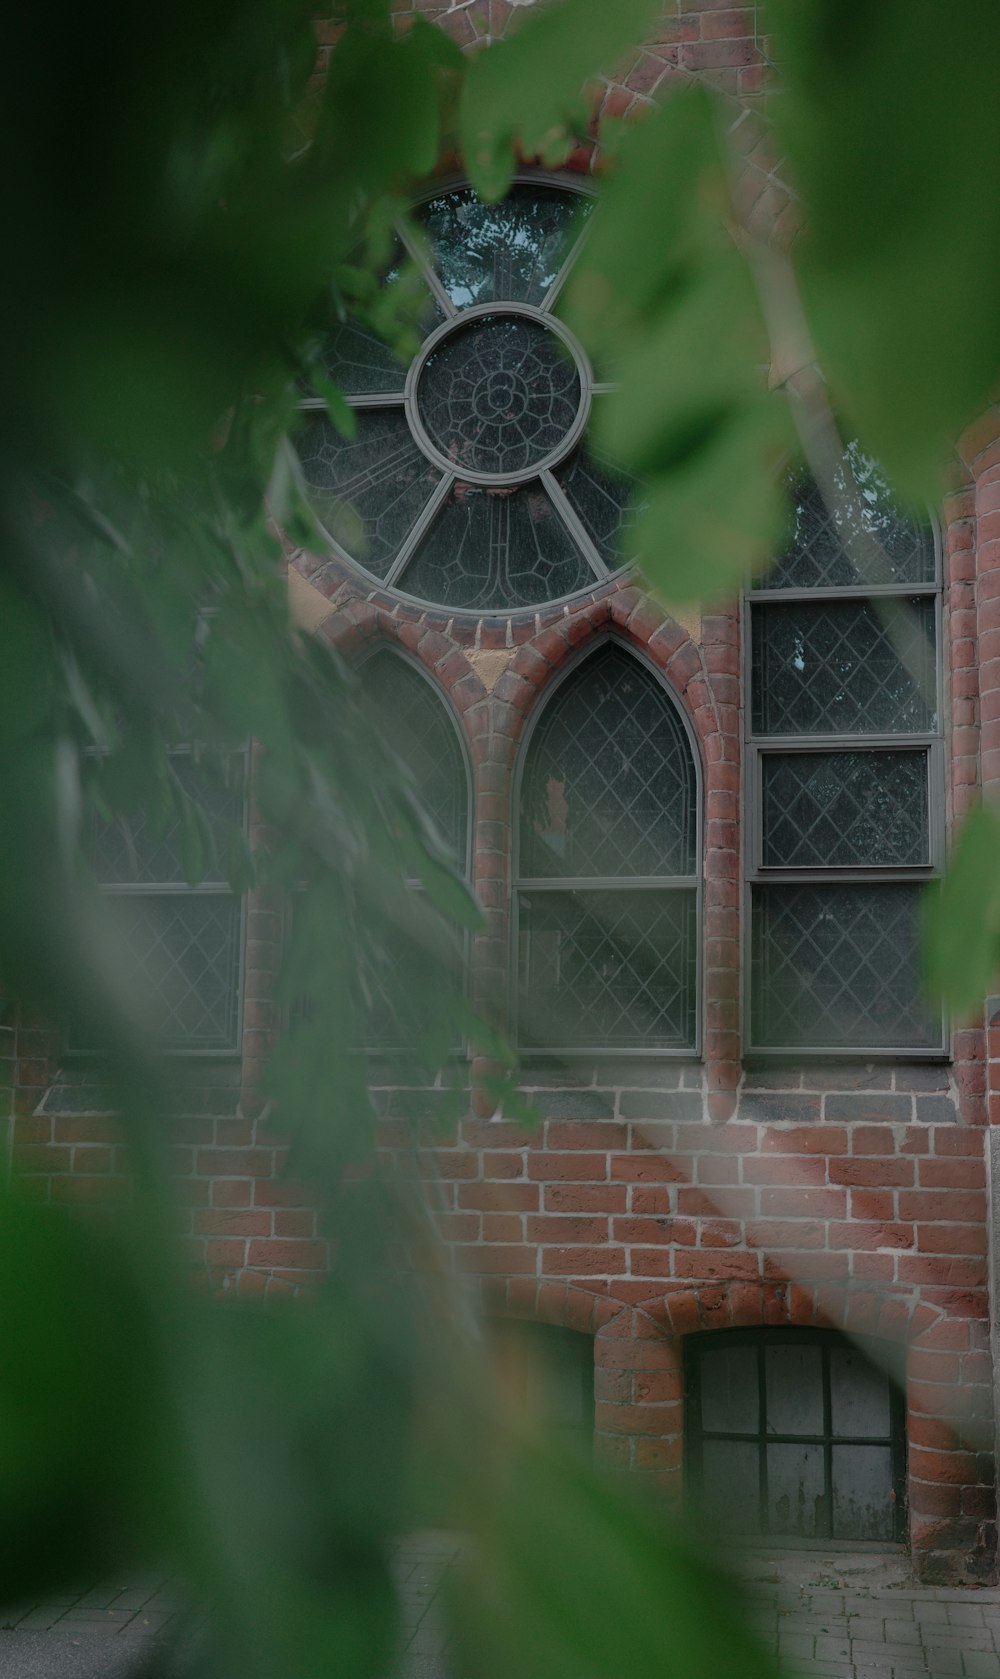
(844, 667)
(512, 250)
(862, 538)
(838, 964)
(844, 809)
(609, 782)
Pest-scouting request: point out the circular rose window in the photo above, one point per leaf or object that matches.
(471, 483)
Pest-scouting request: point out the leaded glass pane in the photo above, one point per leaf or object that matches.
(499, 395)
(402, 993)
(607, 502)
(512, 250)
(366, 492)
(492, 549)
(609, 781)
(864, 538)
(135, 849)
(838, 965)
(844, 809)
(182, 950)
(614, 969)
(415, 721)
(844, 667)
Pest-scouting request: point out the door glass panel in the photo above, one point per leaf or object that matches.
(730, 1401)
(859, 1394)
(862, 1492)
(794, 1376)
(731, 1486)
(795, 1491)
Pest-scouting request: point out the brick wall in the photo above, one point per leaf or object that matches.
(655, 1200)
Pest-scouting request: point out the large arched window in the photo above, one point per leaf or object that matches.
(606, 892)
(845, 774)
(470, 480)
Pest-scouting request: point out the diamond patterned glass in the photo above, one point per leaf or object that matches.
(609, 781)
(512, 250)
(499, 395)
(608, 502)
(366, 492)
(863, 538)
(844, 809)
(185, 951)
(844, 667)
(131, 849)
(614, 969)
(838, 965)
(494, 549)
(414, 719)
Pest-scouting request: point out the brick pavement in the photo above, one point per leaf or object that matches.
(826, 1615)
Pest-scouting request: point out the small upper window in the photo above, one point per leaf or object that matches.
(607, 873)
(470, 481)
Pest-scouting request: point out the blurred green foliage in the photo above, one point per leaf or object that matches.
(183, 203)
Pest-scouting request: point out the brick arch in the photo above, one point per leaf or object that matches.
(563, 1305)
(640, 1413)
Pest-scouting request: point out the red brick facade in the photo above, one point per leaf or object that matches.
(658, 1199)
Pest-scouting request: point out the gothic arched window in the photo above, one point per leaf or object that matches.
(418, 721)
(606, 887)
(470, 481)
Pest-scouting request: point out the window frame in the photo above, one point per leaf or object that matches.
(757, 746)
(208, 888)
(592, 386)
(760, 1337)
(531, 883)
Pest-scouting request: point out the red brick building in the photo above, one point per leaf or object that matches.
(745, 1130)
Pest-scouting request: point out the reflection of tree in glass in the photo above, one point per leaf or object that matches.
(512, 250)
(841, 544)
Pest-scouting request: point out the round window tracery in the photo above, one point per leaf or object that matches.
(471, 482)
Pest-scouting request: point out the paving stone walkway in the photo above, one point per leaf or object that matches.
(825, 1615)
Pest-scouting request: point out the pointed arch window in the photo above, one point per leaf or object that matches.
(418, 720)
(607, 890)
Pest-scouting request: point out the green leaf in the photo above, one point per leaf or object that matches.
(566, 1579)
(719, 513)
(669, 175)
(891, 128)
(699, 358)
(527, 91)
(962, 917)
